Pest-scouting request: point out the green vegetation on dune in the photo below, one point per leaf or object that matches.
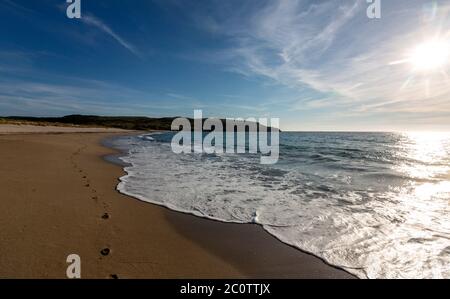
(128, 123)
(119, 122)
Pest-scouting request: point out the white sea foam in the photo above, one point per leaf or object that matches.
(370, 227)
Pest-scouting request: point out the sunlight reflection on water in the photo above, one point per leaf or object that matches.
(375, 204)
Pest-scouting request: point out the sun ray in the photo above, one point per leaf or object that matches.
(407, 82)
(427, 88)
(427, 59)
(399, 62)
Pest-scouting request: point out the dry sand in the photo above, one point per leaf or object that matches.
(21, 129)
(55, 188)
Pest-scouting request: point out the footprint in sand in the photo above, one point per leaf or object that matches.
(105, 251)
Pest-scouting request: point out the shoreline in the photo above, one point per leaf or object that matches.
(71, 180)
(115, 159)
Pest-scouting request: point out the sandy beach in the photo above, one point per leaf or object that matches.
(8, 129)
(58, 197)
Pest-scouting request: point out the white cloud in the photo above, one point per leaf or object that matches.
(19, 96)
(17, 7)
(96, 22)
(332, 48)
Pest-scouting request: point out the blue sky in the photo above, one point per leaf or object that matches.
(317, 65)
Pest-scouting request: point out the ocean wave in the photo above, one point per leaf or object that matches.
(375, 220)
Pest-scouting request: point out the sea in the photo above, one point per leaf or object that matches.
(374, 204)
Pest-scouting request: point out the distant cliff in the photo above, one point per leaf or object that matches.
(120, 122)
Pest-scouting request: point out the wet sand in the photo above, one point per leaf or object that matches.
(58, 198)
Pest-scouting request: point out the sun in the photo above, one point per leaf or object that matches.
(430, 56)
(429, 64)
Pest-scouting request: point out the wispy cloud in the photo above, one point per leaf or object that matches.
(17, 7)
(180, 96)
(25, 89)
(20, 96)
(99, 24)
(333, 49)
(323, 62)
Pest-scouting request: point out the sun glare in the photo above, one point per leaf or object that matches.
(429, 63)
(430, 56)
